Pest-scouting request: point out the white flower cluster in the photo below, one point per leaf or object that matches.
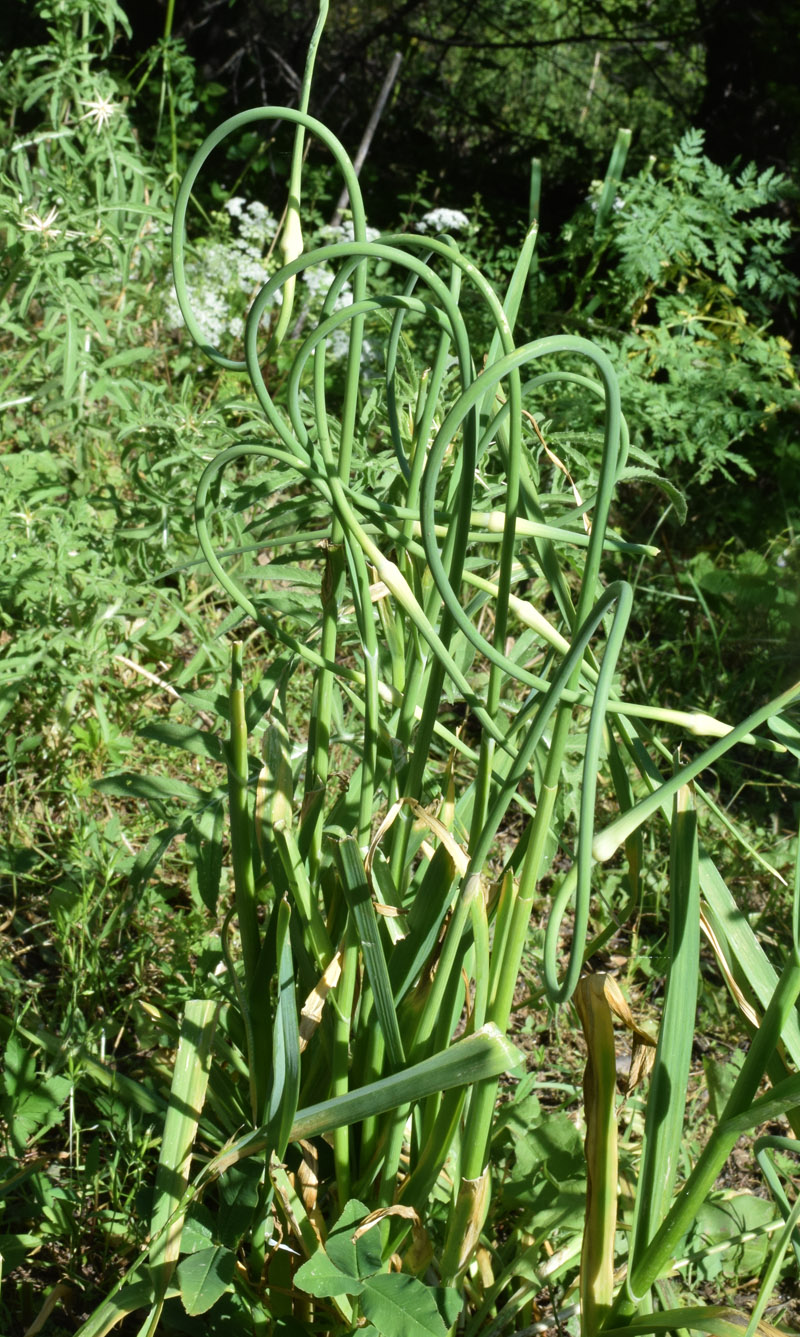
(443, 220)
(224, 275)
(318, 281)
(593, 198)
(256, 223)
(346, 232)
(225, 272)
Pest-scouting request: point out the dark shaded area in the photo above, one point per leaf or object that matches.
(750, 109)
(482, 88)
(751, 105)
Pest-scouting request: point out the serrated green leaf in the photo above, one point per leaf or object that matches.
(31, 1104)
(204, 1276)
(664, 484)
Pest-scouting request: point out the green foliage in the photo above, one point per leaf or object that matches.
(307, 859)
(539, 1162)
(350, 1266)
(729, 1220)
(31, 1104)
(204, 1277)
(680, 291)
(340, 853)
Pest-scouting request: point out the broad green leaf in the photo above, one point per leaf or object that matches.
(322, 1278)
(729, 1219)
(401, 1306)
(204, 842)
(721, 1079)
(14, 1249)
(343, 1265)
(359, 1259)
(204, 1276)
(449, 1302)
(198, 1229)
(238, 1192)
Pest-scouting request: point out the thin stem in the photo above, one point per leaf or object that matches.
(240, 821)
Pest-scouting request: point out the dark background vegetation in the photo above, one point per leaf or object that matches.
(485, 86)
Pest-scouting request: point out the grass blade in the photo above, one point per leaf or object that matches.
(359, 899)
(599, 1090)
(479, 1057)
(187, 1096)
(666, 1099)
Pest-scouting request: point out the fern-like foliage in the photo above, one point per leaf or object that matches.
(681, 292)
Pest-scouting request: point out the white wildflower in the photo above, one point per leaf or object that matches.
(443, 220)
(257, 223)
(318, 280)
(346, 232)
(258, 210)
(101, 110)
(33, 223)
(593, 198)
(236, 205)
(338, 348)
